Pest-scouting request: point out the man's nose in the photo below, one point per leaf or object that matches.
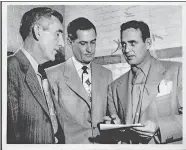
(127, 48)
(89, 49)
(61, 42)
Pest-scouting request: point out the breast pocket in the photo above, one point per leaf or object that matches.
(163, 105)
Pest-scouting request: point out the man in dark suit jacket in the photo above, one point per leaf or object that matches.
(150, 93)
(28, 113)
(80, 85)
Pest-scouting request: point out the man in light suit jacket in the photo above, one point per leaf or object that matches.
(80, 85)
(30, 118)
(150, 93)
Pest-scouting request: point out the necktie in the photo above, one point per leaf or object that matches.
(48, 97)
(86, 81)
(42, 72)
(136, 96)
(84, 68)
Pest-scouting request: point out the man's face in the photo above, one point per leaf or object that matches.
(133, 47)
(51, 39)
(84, 46)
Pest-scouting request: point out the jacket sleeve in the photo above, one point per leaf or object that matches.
(12, 104)
(171, 127)
(52, 76)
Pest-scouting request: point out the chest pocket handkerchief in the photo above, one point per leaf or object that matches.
(164, 88)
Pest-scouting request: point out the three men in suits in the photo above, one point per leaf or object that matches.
(150, 93)
(32, 116)
(80, 86)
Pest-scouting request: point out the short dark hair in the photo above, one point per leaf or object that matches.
(79, 24)
(33, 15)
(143, 27)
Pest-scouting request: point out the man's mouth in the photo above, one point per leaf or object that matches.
(88, 55)
(130, 56)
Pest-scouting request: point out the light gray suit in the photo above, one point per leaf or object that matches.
(71, 95)
(165, 109)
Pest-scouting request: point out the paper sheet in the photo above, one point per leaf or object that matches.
(118, 126)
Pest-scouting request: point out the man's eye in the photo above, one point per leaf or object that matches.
(93, 42)
(82, 43)
(133, 43)
(58, 34)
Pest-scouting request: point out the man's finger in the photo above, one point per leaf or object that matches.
(115, 119)
(145, 136)
(142, 129)
(114, 116)
(106, 118)
(149, 134)
(107, 122)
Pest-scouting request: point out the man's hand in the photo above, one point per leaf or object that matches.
(115, 135)
(148, 130)
(113, 119)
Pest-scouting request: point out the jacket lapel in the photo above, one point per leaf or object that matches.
(35, 88)
(96, 93)
(124, 94)
(154, 78)
(73, 81)
(32, 81)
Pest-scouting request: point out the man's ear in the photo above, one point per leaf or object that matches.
(148, 43)
(36, 31)
(69, 42)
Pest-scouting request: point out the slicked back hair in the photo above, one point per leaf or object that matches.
(33, 15)
(79, 24)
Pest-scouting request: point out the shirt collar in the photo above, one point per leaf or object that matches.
(78, 65)
(31, 59)
(144, 67)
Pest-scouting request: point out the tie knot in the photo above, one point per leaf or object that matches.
(84, 68)
(42, 72)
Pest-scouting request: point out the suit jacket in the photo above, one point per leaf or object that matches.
(27, 112)
(165, 109)
(72, 97)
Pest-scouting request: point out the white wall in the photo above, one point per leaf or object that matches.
(165, 23)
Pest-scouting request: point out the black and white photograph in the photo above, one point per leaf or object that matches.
(80, 74)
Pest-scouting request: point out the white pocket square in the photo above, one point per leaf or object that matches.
(164, 87)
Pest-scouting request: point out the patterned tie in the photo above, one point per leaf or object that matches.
(87, 82)
(87, 86)
(48, 98)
